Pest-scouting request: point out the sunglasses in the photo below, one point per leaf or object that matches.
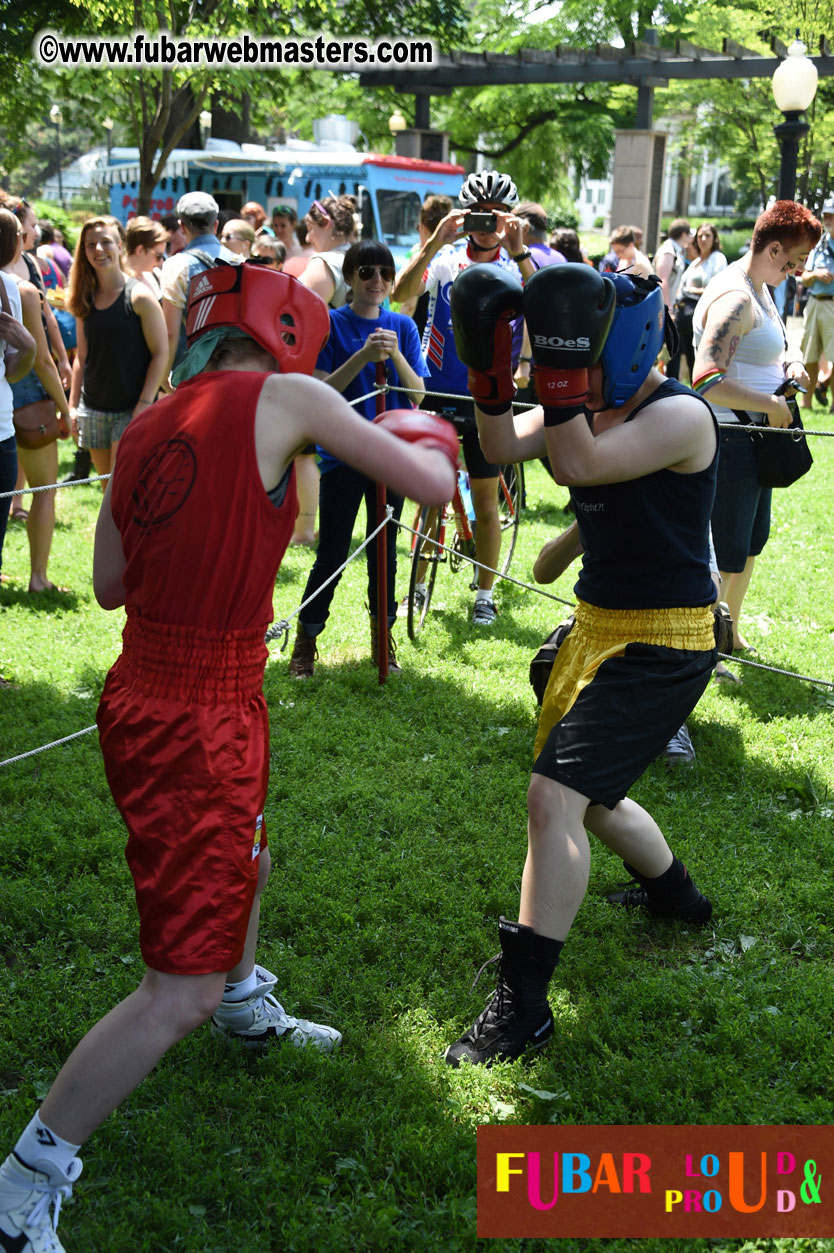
(385, 272)
(283, 211)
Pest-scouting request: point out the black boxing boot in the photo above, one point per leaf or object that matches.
(517, 1016)
(672, 895)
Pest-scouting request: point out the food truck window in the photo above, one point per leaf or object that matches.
(399, 213)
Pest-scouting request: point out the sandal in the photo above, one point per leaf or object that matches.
(50, 587)
(722, 675)
(18, 514)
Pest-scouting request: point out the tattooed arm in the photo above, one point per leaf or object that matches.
(729, 318)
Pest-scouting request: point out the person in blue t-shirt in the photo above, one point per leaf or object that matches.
(362, 333)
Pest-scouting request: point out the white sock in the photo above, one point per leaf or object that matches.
(241, 991)
(39, 1146)
(482, 595)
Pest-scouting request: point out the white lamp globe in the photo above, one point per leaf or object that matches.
(795, 80)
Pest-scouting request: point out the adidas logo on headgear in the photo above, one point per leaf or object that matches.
(204, 285)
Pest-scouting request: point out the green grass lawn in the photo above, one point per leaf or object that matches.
(396, 819)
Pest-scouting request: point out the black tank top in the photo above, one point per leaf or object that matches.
(646, 541)
(117, 355)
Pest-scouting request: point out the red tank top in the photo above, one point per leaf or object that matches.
(201, 538)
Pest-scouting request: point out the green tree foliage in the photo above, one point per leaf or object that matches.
(156, 108)
(733, 120)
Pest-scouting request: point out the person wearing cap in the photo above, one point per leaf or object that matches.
(448, 252)
(818, 336)
(203, 476)
(197, 212)
(535, 221)
(534, 217)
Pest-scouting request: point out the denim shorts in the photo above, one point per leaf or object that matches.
(27, 390)
(741, 512)
(99, 430)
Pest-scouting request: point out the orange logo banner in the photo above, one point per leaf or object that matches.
(656, 1181)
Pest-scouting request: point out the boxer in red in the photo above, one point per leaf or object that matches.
(191, 533)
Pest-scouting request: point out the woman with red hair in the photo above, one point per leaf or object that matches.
(741, 361)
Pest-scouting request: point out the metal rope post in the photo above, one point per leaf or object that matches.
(381, 552)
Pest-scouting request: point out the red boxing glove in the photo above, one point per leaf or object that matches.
(485, 302)
(426, 429)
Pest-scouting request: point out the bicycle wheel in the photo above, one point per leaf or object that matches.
(510, 497)
(425, 553)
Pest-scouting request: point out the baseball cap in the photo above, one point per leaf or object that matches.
(535, 214)
(828, 207)
(197, 204)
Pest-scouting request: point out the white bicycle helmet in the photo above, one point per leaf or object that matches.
(488, 187)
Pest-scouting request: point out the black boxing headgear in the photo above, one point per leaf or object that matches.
(288, 321)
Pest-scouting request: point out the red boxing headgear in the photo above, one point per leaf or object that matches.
(289, 321)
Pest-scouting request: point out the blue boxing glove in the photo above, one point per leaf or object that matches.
(485, 301)
(568, 310)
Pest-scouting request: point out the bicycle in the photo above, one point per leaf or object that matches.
(429, 549)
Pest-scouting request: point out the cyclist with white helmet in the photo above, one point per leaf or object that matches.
(483, 229)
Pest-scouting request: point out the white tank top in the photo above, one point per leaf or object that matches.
(759, 361)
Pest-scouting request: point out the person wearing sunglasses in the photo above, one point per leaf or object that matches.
(238, 236)
(145, 244)
(362, 333)
(269, 252)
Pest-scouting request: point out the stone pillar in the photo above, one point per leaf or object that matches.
(639, 168)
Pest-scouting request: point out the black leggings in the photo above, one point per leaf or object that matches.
(340, 494)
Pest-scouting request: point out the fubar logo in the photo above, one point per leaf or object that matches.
(555, 341)
(659, 1181)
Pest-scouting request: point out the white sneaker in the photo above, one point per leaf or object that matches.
(26, 1197)
(484, 613)
(260, 1019)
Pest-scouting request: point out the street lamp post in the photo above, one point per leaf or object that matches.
(396, 125)
(794, 86)
(55, 116)
(108, 125)
(205, 126)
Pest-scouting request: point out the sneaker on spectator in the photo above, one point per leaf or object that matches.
(419, 598)
(680, 750)
(261, 1019)
(484, 613)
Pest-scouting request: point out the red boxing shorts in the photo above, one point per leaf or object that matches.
(184, 733)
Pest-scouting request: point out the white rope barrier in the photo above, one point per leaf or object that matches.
(479, 565)
(34, 751)
(51, 487)
(413, 391)
(282, 627)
